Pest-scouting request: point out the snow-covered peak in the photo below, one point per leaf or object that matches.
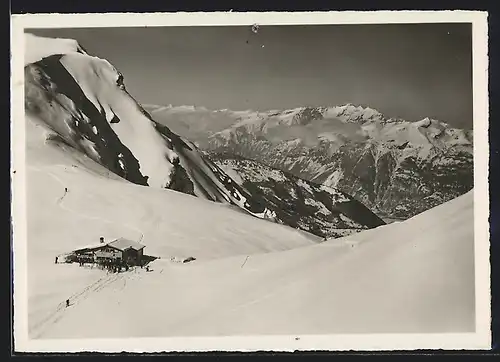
(426, 132)
(330, 127)
(352, 113)
(82, 102)
(426, 122)
(37, 47)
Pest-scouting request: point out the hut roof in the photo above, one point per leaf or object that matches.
(120, 244)
(123, 244)
(90, 247)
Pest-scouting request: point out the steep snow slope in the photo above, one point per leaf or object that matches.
(413, 276)
(169, 223)
(90, 150)
(83, 101)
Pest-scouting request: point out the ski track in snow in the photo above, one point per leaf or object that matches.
(61, 205)
(104, 282)
(54, 316)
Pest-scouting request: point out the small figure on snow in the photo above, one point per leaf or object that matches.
(67, 303)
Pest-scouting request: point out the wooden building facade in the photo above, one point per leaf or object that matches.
(121, 250)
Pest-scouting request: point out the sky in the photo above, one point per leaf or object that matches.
(410, 71)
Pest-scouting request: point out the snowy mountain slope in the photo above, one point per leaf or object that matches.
(86, 176)
(415, 276)
(83, 102)
(357, 149)
(321, 210)
(97, 203)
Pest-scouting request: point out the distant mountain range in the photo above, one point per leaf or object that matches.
(395, 167)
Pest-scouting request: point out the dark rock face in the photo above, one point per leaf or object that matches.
(398, 169)
(45, 82)
(388, 185)
(321, 210)
(401, 188)
(55, 99)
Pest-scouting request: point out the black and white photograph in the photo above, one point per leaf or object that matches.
(239, 178)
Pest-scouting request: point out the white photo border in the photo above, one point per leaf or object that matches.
(479, 340)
